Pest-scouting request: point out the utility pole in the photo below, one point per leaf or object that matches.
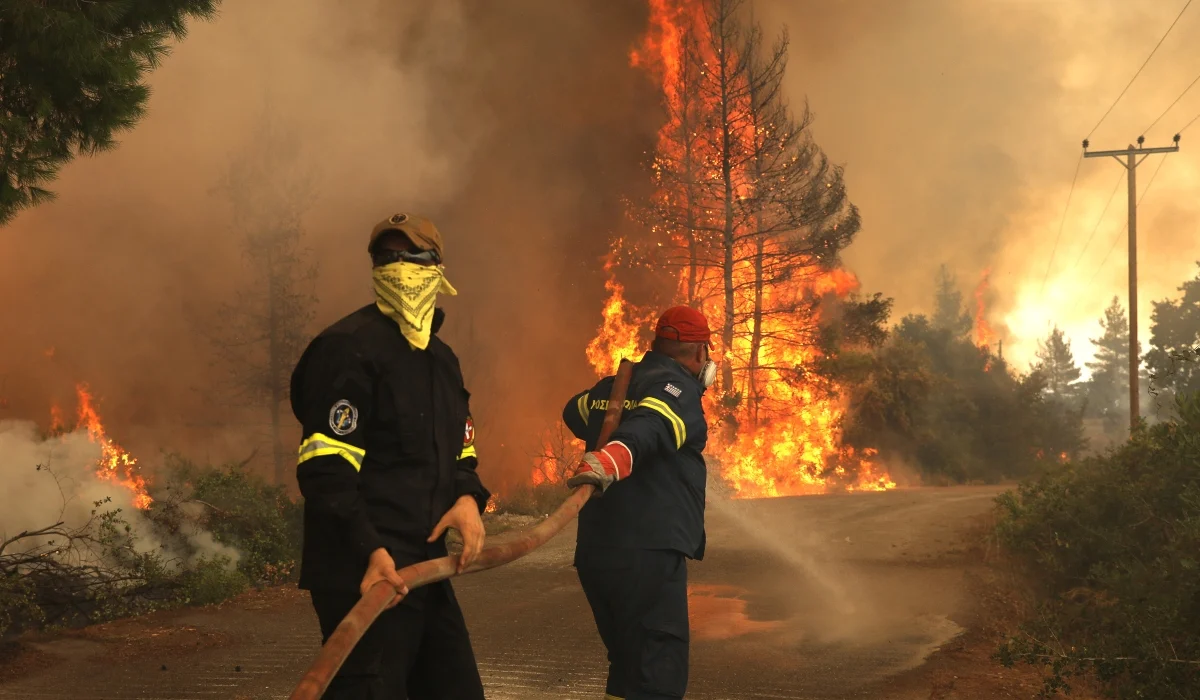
(1132, 160)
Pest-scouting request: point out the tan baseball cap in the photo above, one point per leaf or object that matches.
(419, 230)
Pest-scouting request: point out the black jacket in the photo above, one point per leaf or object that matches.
(388, 447)
(660, 505)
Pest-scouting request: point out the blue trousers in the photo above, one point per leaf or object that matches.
(639, 600)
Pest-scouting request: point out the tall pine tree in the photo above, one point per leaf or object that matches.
(1056, 362)
(71, 77)
(948, 311)
(1108, 388)
(1173, 361)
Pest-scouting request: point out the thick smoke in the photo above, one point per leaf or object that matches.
(54, 479)
(960, 124)
(515, 126)
(518, 126)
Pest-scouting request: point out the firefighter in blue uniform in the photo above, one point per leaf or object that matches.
(387, 463)
(647, 515)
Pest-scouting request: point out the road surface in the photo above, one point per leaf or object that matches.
(799, 598)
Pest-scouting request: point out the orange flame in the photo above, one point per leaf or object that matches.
(985, 337)
(619, 336)
(491, 505)
(56, 420)
(776, 431)
(115, 465)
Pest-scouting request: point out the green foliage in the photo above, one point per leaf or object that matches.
(19, 607)
(71, 77)
(1108, 388)
(211, 580)
(62, 576)
(929, 397)
(241, 511)
(1173, 362)
(1115, 544)
(949, 313)
(1056, 363)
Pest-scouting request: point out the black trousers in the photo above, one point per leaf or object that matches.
(639, 600)
(410, 653)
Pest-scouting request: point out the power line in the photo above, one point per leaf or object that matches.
(1139, 70)
(1099, 221)
(1168, 109)
(1126, 227)
(1193, 121)
(1054, 250)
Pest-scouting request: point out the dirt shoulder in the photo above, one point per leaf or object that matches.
(965, 668)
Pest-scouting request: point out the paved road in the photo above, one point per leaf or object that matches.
(799, 598)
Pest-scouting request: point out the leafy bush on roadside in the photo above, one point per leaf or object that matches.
(1114, 541)
(201, 519)
(242, 511)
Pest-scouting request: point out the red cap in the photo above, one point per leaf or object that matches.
(683, 323)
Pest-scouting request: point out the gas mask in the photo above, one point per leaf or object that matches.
(708, 374)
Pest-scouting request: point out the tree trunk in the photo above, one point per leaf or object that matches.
(728, 240)
(690, 216)
(756, 333)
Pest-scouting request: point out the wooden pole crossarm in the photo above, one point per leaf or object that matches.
(1132, 149)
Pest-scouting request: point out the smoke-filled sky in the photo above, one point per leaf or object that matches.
(520, 125)
(960, 127)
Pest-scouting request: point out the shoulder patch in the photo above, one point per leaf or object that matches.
(673, 390)
(469, 432)
(343, 418)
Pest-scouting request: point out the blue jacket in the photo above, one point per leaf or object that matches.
(660, 505)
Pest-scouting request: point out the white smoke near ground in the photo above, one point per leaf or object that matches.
(54, 481)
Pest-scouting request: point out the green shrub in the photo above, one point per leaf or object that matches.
(69, 576)
(244, 512)
(210, 580)
(1114, 541)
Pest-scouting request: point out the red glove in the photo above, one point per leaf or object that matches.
(601, 468)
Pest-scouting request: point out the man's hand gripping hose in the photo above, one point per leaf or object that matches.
(383, 594)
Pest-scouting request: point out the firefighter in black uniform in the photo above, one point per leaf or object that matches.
(387, 463)
(647, 516)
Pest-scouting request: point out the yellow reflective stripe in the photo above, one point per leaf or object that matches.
(468, 451)
(582, 405)
(660, 406)
(318, 445)
(612, 697)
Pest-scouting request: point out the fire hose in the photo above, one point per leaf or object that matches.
(352, 628)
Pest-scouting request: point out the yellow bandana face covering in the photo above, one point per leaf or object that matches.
(407, 293)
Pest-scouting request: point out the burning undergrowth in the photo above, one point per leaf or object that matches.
(85, 536)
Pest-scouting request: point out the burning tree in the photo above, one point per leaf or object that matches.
(751, 209)
(752, 216)
(260, 335)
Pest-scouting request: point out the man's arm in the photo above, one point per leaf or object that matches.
(466, 476)
(334, 411)
(575, 414)
(660, 422)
